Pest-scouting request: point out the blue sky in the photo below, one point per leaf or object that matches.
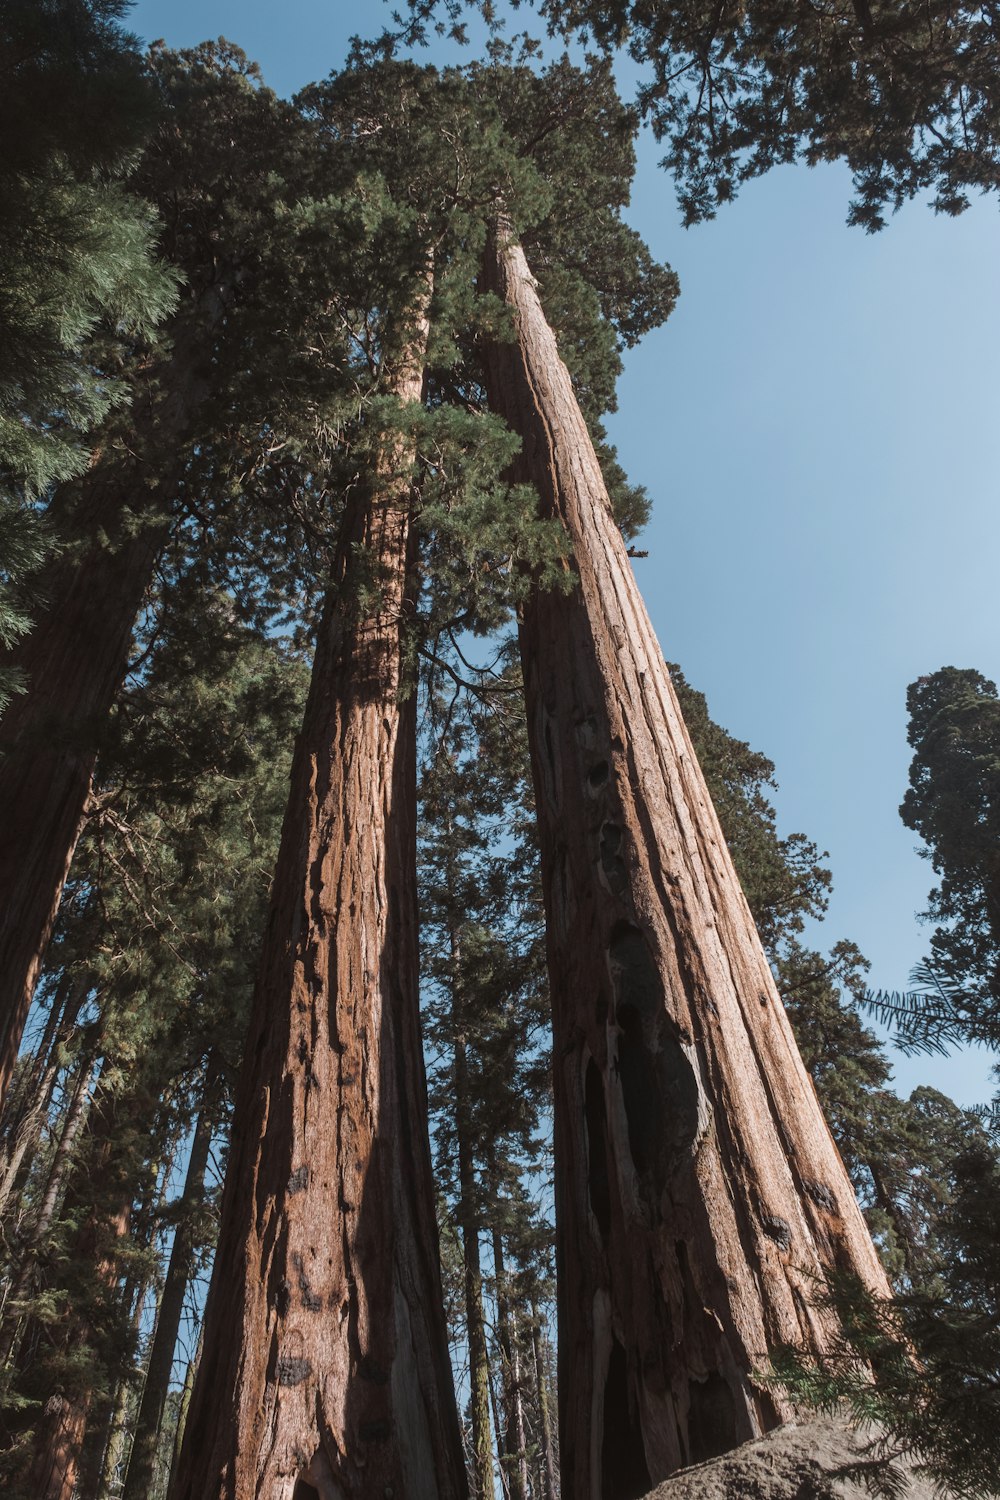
(818, 427)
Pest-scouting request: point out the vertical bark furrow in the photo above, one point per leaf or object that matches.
(725, 1194)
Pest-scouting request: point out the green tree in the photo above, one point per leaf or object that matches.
(906, 96)
(253, 371)
(953, 803)
(178, 853)
(77, 254)
(485, 1010)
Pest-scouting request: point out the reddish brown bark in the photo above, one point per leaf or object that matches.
(116, 519)
(698, 1188)
(325, 1368)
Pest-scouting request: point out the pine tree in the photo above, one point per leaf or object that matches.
(188, 800)
(247, 368)
(953, 802)
(77, 251)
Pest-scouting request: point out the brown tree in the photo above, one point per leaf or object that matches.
(325, 1368)
(699, 1192)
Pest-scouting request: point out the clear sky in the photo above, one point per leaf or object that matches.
(818, 427)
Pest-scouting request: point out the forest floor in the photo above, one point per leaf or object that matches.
(800, 1461)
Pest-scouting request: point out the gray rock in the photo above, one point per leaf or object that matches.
(800, 1461)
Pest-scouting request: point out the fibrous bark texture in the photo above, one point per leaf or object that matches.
(115, 519)
(699, 1190)
(325, 1368)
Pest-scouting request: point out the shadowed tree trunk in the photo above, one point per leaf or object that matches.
(115, 520)
(698, 1189)
(325, 1367)
(549, 1484)
(179, 1269)
(184, 1405)
(514, 1444)
(479, 1369)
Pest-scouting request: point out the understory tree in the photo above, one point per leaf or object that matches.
(148, 981)
(486, 1029)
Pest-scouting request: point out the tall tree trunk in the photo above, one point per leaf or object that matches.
(179, 1269)
(514, 1444)
(110, 1450)
(549, 1488)
(184, 1406)
(475, 1322)
(325, 1370)
(698, 1188)
(468, 1218)
(115, 519)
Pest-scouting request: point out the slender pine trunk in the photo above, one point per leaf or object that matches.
(698, 1188)
(110, 1450)
(475, 1322)
(183, 1407)
(325, 1369)
(549, 1485)
(514, 1444)
(179, 1268)
(468, 1219)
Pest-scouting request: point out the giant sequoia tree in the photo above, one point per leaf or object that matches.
(698, 1186)
(325, 1360)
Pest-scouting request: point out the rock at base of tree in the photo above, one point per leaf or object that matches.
(807, 1460)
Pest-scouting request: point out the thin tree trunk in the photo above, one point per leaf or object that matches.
(325, 1370)
(475, 1322)
(112, 1450)
(468, 1218)
(698, 1189)
(179, 1269)
(549, 1482)
(514, 1445)
(184, 1406)
(116, 518)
